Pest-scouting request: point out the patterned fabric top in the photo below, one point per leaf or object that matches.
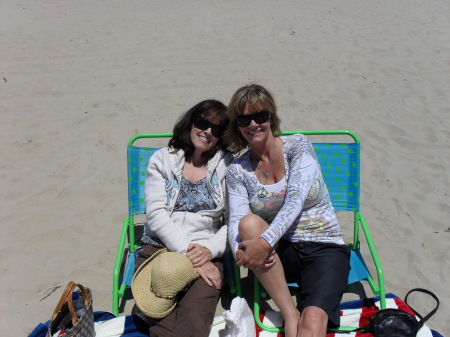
(194, 197)
(306, 213)
(268, 206)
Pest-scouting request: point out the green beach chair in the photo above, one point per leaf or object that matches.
(340, 165)
(137, 160)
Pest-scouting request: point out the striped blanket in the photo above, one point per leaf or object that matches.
(353, 313)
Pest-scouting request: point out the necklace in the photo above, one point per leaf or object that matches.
(262, 192)
(266, 174)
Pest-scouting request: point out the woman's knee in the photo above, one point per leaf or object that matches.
(313, 319)
(251, 226)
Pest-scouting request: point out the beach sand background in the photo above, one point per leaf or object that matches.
(80, 78)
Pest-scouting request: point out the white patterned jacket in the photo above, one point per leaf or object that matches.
(176, 230)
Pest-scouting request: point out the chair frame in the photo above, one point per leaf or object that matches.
(127, 244)
(358, 224)
(127, 247)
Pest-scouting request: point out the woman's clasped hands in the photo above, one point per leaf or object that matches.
(201, 260)
(255, 253)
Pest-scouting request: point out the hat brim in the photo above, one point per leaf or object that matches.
(146, 300)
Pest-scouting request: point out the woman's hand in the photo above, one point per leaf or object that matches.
(198, 254)
(270, 261)
(210, 274)
(255, 253)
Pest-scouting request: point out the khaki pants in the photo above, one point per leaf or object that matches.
(195, 308)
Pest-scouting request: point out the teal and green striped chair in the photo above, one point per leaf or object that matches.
(137, 158)
(340, 165)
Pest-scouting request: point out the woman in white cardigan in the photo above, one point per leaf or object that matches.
(185, 206)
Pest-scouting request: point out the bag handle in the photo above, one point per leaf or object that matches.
(422, 319)
(67, 297)
(63, 298)
(431, 313)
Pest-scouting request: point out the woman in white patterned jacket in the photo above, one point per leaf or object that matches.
(292, 220)
(185, 207)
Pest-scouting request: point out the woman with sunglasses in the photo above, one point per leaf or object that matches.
(185, 203)
(291, 233)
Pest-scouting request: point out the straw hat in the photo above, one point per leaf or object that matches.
(158, 280)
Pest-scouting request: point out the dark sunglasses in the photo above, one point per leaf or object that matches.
(203, 124)
(259, 117)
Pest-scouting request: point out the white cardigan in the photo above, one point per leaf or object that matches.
(176, 230)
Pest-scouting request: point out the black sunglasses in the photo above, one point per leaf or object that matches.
(203, 124)
(259, 117)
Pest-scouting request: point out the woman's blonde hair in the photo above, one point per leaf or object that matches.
(258, 98)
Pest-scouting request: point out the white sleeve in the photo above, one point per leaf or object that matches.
(238, 204)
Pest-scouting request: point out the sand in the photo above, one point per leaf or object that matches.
(79, 78)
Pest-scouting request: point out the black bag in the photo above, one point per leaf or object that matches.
(398, 323)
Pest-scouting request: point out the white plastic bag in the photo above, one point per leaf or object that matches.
(239, 320)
